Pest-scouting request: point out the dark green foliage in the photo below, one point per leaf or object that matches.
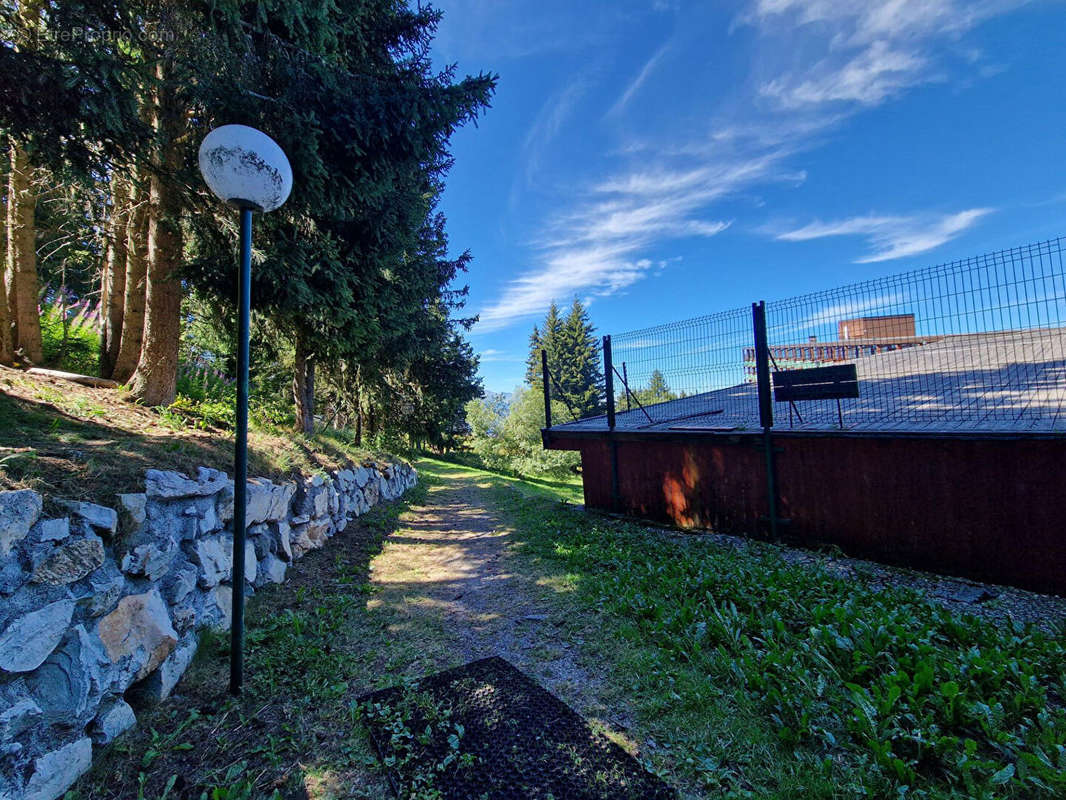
(69, 335)
(355, 263)
(657, 391)
(534, 363)
(579, 375)
(872, 692)
(573, 360)
(67, 94)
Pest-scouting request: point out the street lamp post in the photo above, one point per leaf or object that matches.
(246, 169)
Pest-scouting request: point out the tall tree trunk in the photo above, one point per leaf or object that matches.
(7, 348)
(113, 280)
(23, 288)
(358, 407)
(303, 386)
(129, 350)
(155, 380)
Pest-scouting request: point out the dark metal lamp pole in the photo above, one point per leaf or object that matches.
(247, 169)
(240, 456)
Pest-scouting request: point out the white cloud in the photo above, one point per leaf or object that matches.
(816, 64)
(892, 236)
(497, 356)
(642, 76)
(546, 126)
(867, 50)
(869, 78)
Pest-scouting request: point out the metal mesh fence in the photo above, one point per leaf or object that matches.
(683, 370)
(976, 344)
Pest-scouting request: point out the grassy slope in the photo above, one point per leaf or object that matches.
(760, 679)
(68, 440)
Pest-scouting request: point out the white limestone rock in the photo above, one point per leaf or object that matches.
(29, 640)
(151, 558)
(214, 555)
(19, 511)
(69, 685)
(260, 500)
(55, 772)
(170, 485)
(112, 722)
(101, 518)
(99, 592)
(271, 570)
(132, 512)
(52, 530)
(283, 538)
(20, 715)
(218, 610)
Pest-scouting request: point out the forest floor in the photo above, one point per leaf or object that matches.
(606, 615)
(68, 440)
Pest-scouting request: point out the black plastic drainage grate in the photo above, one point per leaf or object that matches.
(485, 731)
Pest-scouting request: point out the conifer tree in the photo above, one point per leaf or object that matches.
(580, 377)
(533, 361)
(573, 359)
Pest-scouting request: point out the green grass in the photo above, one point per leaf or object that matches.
(761, 679)
(67, 440)
(738, 675)
(311, 644)
(568, 490)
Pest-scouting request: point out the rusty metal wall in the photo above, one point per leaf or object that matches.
(989, 509)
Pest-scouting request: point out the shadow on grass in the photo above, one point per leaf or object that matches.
(91, 444)
(315, 644)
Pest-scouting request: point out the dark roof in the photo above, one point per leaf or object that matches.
(1012, 381)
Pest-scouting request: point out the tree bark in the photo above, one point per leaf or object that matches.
(303, 386)
(132, 334)
(23, 288)
(7, 348)
(113, 280)
(358, 408)
(155, 380)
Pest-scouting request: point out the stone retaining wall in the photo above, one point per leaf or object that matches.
(99, 608)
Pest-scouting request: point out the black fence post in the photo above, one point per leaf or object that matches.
(762, 365)
(608, 373)
(544, 377)
(766, 407)
(625, 380)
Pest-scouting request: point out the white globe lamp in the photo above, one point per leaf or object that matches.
(246, 169)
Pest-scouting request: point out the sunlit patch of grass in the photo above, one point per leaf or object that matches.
(566, 491)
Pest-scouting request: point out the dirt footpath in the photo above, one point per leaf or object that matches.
(451, 572)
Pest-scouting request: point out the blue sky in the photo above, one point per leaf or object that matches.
(663, 159)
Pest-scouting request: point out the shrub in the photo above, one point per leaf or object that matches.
(70, 334)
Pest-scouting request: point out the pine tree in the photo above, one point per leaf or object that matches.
(658, 391)
(551, 339)
(533, 361)
(580, 378)
(573, 359)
